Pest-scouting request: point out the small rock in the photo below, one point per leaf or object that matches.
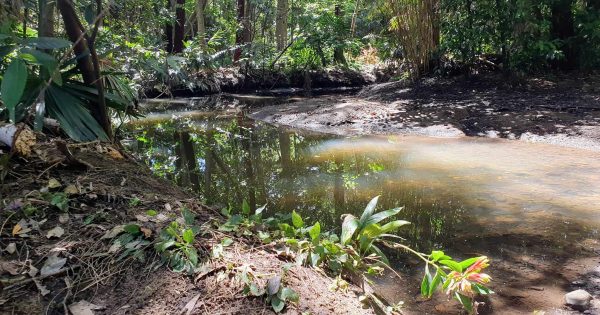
(578, 299)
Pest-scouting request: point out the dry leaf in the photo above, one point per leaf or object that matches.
(53, 183)
(11, 267)
(16, 229)
(71, 190)
(43, 290)
(11, 248)
(55, 232)
(52, 265)
(114, 154)
(84, 307)
(63, 218)
(142, 218)
(32, 271)
(167, 207)
(190, 306)
(147, 232)
(116, 230)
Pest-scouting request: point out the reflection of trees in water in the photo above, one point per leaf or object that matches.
(242, 160)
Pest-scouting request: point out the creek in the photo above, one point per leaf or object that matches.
(534, 209)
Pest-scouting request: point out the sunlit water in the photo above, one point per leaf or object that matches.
(505, 199)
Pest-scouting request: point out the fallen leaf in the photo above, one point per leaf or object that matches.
(147, 232)
(63, 218)
(53, 183)
(43, 290)
(55, 232)
(167, 207)
(71, 190)
(115, 154)
(123, 181)
(32, 271)
(84, 307)
(273, 285)
(11, 267)
(142, 218)
(11, 248)
(52, 265)
(114, 232)
(16, 229)
(189, 307)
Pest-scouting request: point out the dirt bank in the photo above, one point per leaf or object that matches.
(66, 241)
(557, 110)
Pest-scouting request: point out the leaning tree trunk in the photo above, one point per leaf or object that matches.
(87, 61)
(281, 24)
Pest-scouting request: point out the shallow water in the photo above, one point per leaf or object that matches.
(510, 200)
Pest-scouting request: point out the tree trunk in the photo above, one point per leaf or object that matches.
(179, 29)
(88, 63)
(175, 30)
(46, 18)
(563, 28)
(201, 26)
(281, 24)
(239, 39)
(338, 52)
(189, 156)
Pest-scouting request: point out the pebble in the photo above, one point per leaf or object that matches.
(578, 299)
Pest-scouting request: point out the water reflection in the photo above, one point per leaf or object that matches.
(521, 204)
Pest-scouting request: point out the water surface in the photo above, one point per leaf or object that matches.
(525, 205)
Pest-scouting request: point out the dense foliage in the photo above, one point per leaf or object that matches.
(103, 51)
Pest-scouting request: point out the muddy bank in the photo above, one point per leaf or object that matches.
(66, 241)
(236, 80)
(557, 110)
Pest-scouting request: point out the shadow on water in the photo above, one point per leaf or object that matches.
(528, 207)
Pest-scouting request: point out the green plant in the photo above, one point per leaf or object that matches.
(274, 292)
(176, 243)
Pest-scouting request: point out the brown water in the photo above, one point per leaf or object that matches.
(533, 208)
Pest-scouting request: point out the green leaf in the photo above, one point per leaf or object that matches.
(245, 208)
(188, 216)
(260, 209)
(380, 216)
(394, 225)
(426, 283)
(480, 289)
(366, 215)
(297, 220)
(192, 255)
(288, 294)
(188, 236)
(227, 241)
(465, 301)
(40, 58)
(315, 231)
(437, 279)
(380, 253)
(13, 85)
(47, 42)
(151, 213)
(439, 255)
(349, 226)
(71, 112)
(372, 231)
(132, 229)
(452, 265)
(468, 262)
(277, 304)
